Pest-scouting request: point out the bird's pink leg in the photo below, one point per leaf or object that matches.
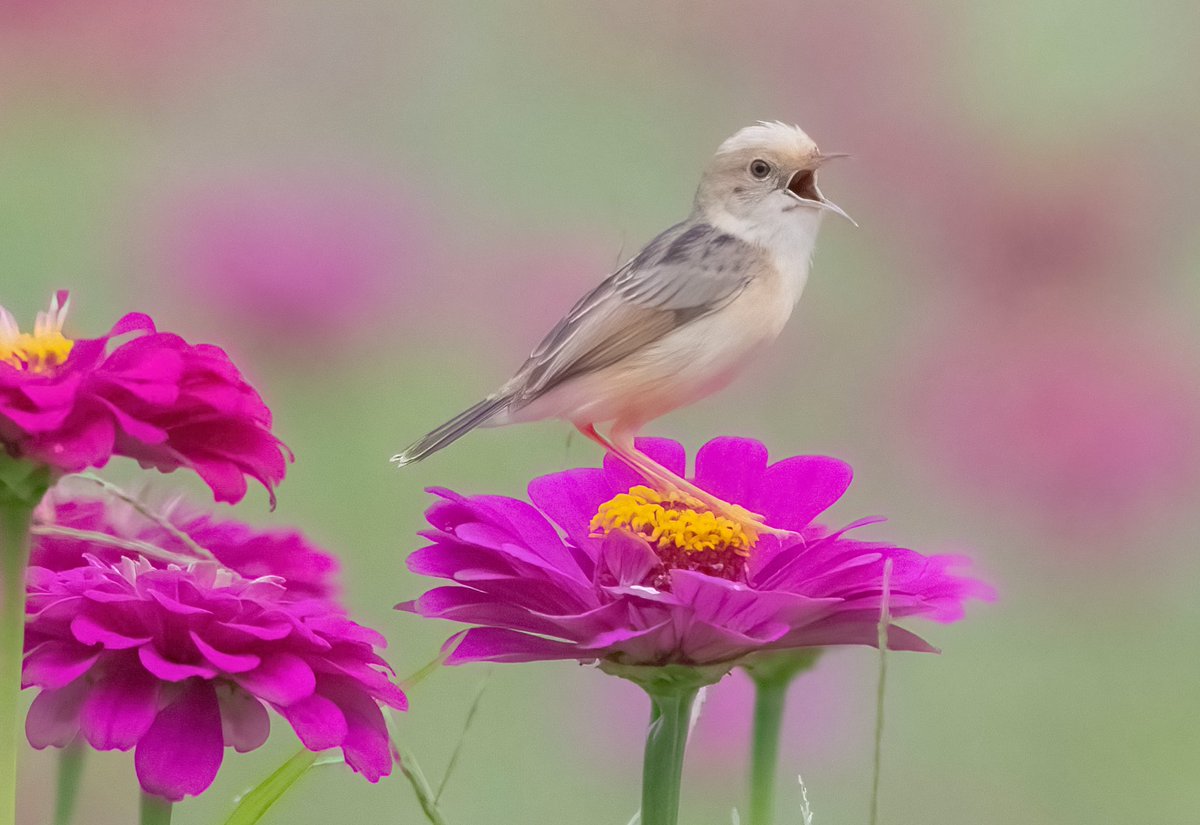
(639, 462)
(589, 432)
(654, 473)
(621, 444)
(622, 440)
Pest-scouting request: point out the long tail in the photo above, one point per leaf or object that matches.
(452, 430)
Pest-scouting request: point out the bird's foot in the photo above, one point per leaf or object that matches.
(752, 524)
(678, 488)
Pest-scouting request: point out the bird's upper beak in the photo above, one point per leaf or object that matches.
(802, 186)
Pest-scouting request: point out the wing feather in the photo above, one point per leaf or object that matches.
(687, 272)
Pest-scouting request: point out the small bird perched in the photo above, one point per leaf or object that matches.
(679, 319)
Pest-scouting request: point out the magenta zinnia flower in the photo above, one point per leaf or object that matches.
(71, 405)
(178, 663)
(251, 552)
(643, 580)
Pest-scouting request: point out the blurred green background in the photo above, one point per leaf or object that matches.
(379, 207)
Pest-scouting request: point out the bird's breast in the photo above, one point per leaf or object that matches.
(791, 254)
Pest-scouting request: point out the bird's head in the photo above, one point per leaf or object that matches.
(766, 175)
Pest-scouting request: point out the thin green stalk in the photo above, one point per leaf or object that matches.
(769, 699)
(427, 670)
(666, 738)
(409, 766)
(70, 773)
(462, 739)
(141, 507)
(152, 551)
(420, 785)
(16, 516)
(773, 674)
(155, 810)
(885, 621)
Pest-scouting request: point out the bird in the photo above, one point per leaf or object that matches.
(681, 318)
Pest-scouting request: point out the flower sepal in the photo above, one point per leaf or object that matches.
(780, 666)
(666, 679)
(23, 483)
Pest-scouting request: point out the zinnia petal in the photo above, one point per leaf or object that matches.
(228, 662)
(732, 469)
(490, 644)
(120, 708)
(53, 719)
(181, 752)
(88, 630)
(797, 490)
(366, 745)
(318, 721)
(281, 679)
(162, 667)
(245, 724)
(56, 664)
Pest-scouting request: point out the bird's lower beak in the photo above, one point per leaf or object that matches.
(803, 187)
(830, 206)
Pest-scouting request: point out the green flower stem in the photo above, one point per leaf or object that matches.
(769, 699)
(70, 772)
(662, 770)
(155, 810)
(22, 486)
(16, 516)
(773, 675)
(672, 690)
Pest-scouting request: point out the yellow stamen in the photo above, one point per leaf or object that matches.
(36, 354)
(676, 519)
(43, 349)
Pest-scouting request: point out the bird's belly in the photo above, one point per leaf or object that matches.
(684, 366)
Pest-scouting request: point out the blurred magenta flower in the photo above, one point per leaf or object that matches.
(1087, 425)
(320, 263)
(70, 405)
(1017, 227)
(178, 663)
(251, 552)
(640, 580)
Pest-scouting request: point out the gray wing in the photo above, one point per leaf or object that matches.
(687, 272)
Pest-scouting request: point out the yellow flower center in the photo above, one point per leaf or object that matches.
(36, 353)
(676, 522)
(43, 349)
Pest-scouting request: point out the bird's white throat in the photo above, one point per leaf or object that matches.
(786, 230)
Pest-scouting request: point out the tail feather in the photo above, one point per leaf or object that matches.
(452, 430)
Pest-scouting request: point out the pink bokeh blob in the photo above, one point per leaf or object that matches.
(315, 261)
(1081, 421)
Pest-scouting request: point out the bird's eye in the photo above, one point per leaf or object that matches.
(760, 168)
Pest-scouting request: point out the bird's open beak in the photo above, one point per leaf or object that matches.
(803, 187)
